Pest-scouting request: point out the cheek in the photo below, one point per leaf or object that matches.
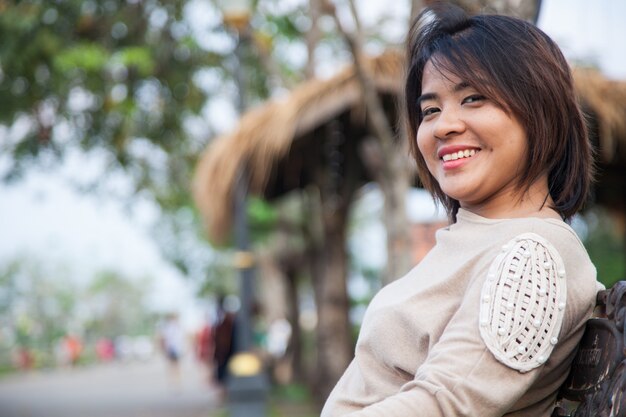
(420, 140)
(425, 146)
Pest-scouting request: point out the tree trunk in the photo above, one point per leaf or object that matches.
(293, 313)
(329, 203)
(395, 188)
(329, 270)
(391, 171)
(416, 8)
(527, 9)
(394, 182)
(312, 37)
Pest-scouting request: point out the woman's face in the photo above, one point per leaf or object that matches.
(472, 147)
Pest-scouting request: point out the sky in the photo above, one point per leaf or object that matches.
(45, 217)
(589, 31)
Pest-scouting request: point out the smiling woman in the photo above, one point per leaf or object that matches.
(487, 324)
(464, 138)
(522, 78)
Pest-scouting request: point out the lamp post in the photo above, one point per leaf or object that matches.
(247, 384)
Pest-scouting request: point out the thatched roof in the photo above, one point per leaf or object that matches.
(605, 100)
(266, 134)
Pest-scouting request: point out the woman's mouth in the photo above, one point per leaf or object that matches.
(453, 156)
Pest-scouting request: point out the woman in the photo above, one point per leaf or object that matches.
(487, 324)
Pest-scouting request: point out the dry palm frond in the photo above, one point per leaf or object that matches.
(606, 99)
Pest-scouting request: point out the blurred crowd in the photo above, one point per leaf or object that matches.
(71, 350)
(208, 345)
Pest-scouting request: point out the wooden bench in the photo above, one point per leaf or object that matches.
(597, 380)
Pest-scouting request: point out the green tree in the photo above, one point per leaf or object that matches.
(114, 75)
(35, 304)
(605, 246)
(117, 306)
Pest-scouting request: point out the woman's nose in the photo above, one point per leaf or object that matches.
(448, 124)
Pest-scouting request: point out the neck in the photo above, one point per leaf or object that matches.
(534, 202)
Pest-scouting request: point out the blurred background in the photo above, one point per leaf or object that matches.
(184, 180)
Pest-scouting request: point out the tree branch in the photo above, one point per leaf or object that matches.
(377, 119)
(312, 37)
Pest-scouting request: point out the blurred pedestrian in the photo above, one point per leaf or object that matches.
(224, 340)
(72, 349)
(105, 349)
(205, 348)
(171, 340)
(25, 358)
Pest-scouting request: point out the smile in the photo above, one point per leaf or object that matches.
(467, 153)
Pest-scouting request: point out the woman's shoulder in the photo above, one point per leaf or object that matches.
(561, 235)
(564, 247)
(498, 232)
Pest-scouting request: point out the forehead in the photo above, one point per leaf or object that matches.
(436, 78)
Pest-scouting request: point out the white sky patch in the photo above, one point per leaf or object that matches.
(221, 113)
(367, 237)
(282, 7)
(203, 19)
(590, 32)
(388, 18)
(42, 217)
(294, 53)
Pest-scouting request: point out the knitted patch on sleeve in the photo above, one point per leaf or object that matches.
(523, 302)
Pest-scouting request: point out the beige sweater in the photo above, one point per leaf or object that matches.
(486, 325)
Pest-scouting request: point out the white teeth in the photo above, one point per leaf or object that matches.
(460, 154)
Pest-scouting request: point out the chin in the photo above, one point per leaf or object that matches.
(456, 194)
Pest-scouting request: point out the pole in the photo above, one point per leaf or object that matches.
(244, 259)
(247, 383)
(244, 262)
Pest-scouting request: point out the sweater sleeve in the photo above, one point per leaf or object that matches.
(494, 347)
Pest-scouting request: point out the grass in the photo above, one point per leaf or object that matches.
(285, 401)
(291, 400)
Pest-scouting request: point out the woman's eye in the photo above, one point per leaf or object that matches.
(428, 111)
(473, 99)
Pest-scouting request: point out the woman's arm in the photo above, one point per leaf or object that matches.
(498, 343)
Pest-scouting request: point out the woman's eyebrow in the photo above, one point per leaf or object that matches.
(461, 86)
(433, 96)
(425, 97)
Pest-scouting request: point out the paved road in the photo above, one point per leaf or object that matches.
(139, 389)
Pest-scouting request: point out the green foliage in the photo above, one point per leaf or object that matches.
(605, 246)
(114, 71)
(40, 304)
(34, 308)
(119, 306)
(262, 218)
(87, 57)
(137, 58)
(291, 400)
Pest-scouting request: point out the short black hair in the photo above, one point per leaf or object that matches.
(521, 69)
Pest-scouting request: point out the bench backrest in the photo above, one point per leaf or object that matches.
(597, 380)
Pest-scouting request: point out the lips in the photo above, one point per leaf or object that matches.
(467, 153)
(454, 156)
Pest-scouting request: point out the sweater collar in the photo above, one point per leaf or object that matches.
(466, 216)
